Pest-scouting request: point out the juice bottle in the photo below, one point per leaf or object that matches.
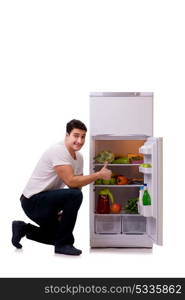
(103, 206)
(146, 196)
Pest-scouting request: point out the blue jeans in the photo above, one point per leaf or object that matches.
(43, 208)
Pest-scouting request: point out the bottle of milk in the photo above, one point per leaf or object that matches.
(140, 202)
(141, 191)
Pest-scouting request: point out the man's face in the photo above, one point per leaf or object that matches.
(76, 139)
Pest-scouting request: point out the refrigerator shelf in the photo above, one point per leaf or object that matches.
(116, 215)
(118, 185)
(118, 165)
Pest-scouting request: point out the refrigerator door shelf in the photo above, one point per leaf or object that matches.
(145, 170)
(145, 210)
(145, 150)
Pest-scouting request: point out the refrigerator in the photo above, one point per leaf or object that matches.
(122, 123)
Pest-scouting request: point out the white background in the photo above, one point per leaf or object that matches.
(52, 54)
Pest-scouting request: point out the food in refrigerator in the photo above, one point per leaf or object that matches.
(141, 191)
(104, 198)
(98, 181)
(146, 196)
(131, 207)
(112, 180)
(121, 160)
(138, 180)
(104, 156)
(115, 208)
(122, 179)
(145, 165)
(135, 158)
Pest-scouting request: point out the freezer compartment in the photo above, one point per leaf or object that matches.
(133, 224)
(121, 113)
(108, 224)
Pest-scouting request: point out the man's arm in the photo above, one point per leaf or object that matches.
(66, 173)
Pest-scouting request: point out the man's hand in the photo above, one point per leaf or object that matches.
(66, 173)
(105, 173)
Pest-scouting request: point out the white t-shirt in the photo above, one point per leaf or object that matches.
(44, 177)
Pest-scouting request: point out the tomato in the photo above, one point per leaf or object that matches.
(122, 180)
(115, 208)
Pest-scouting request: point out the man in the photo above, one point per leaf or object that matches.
(46, 201)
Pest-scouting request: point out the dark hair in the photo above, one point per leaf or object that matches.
(75, 124)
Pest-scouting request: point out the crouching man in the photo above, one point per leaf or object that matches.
(45, 200)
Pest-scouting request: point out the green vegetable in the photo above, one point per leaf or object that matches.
(105, 181)
(98, 181)
(131, 207)
(146, 165)
(121, 160)
(112, 180)
(104, 156)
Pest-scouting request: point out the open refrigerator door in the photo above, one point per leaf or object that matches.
(152, 168)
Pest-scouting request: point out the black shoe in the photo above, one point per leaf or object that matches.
(18, 231)
(68, 250)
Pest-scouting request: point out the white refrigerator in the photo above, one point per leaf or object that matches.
(122, 123)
